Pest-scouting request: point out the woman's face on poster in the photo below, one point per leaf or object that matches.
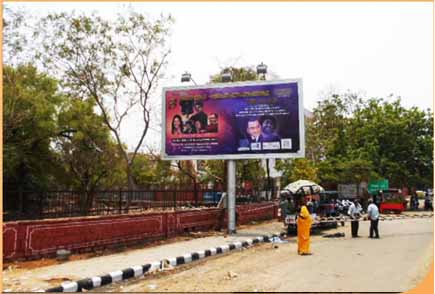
(177, 123)
(198, 125)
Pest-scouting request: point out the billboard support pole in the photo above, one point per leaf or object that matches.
(231, 192)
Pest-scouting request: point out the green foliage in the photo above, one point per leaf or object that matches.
(186, 172)
(118, 63)
(352, 141)
(250, 171)
(398, 142)
(214, 172)
(90, 157)
(297, 169)
(15, 42)
(30, 109)
(152, 170)
(238, 74)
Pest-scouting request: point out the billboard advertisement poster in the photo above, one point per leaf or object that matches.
(234, 121)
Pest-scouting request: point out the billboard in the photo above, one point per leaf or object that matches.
(234, 121)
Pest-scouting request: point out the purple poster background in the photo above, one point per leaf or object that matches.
(233, 120)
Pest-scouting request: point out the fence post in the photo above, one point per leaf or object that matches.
(195, 192)
(120, 201)
(20, 199)
(41, 208)
(175, 199)
(129, 198)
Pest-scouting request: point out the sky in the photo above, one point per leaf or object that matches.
(377, 49)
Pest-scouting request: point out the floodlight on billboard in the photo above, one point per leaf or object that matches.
(245, 120)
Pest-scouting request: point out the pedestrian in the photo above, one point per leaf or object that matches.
(315, 206)
(354, 213)
(380, 198)
(284, 205)
(373, 215)
(304, 227)
(310, 206)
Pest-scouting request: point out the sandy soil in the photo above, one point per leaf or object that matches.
(397, 262)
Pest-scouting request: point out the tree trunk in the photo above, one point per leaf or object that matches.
(83, 202)
(131, 185)
(195, 192)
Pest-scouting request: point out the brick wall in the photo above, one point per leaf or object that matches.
(34, 239)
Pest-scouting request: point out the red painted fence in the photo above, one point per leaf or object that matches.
(34, 239)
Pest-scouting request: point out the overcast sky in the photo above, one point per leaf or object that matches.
(375, 48)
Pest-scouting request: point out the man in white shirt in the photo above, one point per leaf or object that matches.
(354, 213)
(373, 215)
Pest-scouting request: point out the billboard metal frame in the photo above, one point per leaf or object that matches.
(299, 154)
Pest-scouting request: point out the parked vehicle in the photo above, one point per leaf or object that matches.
(312, 193)
(392, 200)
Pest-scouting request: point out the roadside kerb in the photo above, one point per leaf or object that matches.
(140, 270)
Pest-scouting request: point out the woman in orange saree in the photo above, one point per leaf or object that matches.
(304, 226)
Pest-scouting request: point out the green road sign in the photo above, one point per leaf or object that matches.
(375, 186)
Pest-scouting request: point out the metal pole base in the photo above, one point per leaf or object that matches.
(231, 190)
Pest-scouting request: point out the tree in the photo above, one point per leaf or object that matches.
(238, 74)
(116, 63)
(398, 142)
(327, 129)
(251, 171)
(30, 109)
(90, 158)
(351, 140)
(150, 169)
(15, 41)
(297, 169)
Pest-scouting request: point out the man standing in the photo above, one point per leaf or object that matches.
(284, 205)
(354, 213)
(373, 214)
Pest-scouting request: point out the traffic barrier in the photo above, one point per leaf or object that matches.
(381, 218)
(140, 270)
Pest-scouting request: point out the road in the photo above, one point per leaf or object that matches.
(397, 262)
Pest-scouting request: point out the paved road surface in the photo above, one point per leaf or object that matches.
(397, 262)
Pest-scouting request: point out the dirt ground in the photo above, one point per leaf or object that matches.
(30, 276)
(397, 262)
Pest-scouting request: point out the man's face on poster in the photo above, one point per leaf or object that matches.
(254, 128)
(212, 119)
(268, 126)
(198, 107)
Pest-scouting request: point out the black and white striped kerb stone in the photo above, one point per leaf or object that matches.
(139, 270)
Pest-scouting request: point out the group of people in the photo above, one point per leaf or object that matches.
(372, 214)
(197, 122)
(305, 220)
(427, 201)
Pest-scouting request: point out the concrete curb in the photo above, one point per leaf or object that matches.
(140, 270)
